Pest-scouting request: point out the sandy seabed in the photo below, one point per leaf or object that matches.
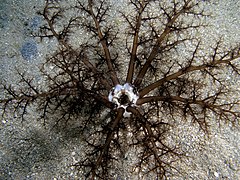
(30, 151)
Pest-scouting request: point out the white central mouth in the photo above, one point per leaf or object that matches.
(124, 96)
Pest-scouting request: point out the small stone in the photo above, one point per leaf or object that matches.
(216, 174)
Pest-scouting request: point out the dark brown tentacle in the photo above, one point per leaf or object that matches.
(135, 43)
(186, 70)
(103, 81)
(157, 46)
(108, 140)
(103, 42)
(222, 111)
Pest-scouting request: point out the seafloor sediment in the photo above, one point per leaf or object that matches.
(30, 151)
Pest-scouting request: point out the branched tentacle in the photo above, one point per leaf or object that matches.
(97, 19)
(135, 39)
(154, 144)
(163, 84)
(222, 111)
(109, 139)
(157, 47)
(231, 56)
